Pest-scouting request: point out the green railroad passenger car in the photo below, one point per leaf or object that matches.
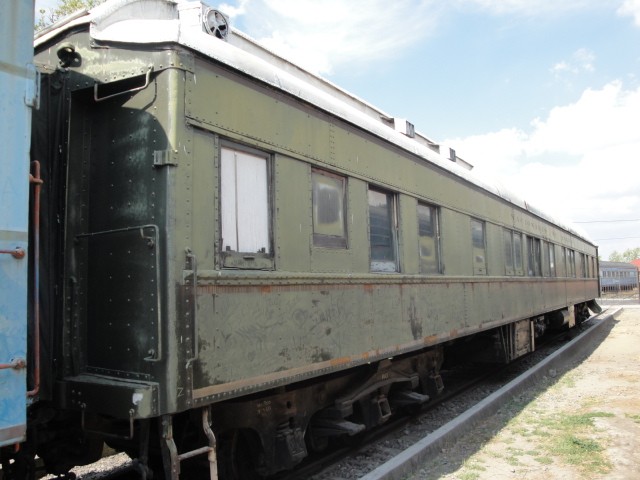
(245, 260)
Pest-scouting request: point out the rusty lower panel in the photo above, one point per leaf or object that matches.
(315, 282)
(317, 326)
(263, 382)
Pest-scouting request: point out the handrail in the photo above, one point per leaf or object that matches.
(36, 180)
(130, 90)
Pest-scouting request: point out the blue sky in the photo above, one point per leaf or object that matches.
(541, 95)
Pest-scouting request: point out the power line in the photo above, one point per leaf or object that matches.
(611, 221)
(619, 238)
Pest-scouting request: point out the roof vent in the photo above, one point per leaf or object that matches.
(215, 23)
(403, 126)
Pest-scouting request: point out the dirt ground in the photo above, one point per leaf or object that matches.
(580, 424)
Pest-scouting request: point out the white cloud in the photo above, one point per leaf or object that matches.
(581, 61)
(536, 7)
(600, 119)
(493, 152)
(326, 35)
(322, 36)
(580, 162)
(632, 8)
(234, 11)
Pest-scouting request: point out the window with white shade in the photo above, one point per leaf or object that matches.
(244, 202)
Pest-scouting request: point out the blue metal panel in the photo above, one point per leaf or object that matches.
(17, 87)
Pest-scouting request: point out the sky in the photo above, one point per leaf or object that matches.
(542, 96)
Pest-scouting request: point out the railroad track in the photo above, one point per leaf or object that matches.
(386, 451)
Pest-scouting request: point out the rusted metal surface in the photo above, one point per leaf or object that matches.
(17, 364)
(18, 253)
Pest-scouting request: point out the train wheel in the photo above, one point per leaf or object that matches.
(237, 456)
(582, 313)
(316, 443)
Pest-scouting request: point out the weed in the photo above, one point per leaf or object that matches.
(573, 441)
(475, 465)
(568, 380)
(469, 476)
(635, 418)
(543, 460)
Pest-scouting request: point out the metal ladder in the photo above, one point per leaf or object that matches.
(170, 453)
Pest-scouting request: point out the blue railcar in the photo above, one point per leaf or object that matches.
(17, 84)
(618, 276)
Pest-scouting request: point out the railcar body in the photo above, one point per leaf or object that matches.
(618, 276)
(237, 249)
(19, 95)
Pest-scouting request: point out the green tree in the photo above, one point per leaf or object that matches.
(64, 8)
(626, 256)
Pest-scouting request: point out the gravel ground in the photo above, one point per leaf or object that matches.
(604, 387)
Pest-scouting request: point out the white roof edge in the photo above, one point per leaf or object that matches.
(78, 18)
(247, 43)
(115, 20)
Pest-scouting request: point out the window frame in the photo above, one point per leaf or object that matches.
(435, 216)
(564, 264)
(534, 257)
(380, 265)
(584, 268)
(475, 248)
(508, 252)
(518, 258)
(324, 240)
(514, 238)
(551, 256)
(544, 259)
(572, 263)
